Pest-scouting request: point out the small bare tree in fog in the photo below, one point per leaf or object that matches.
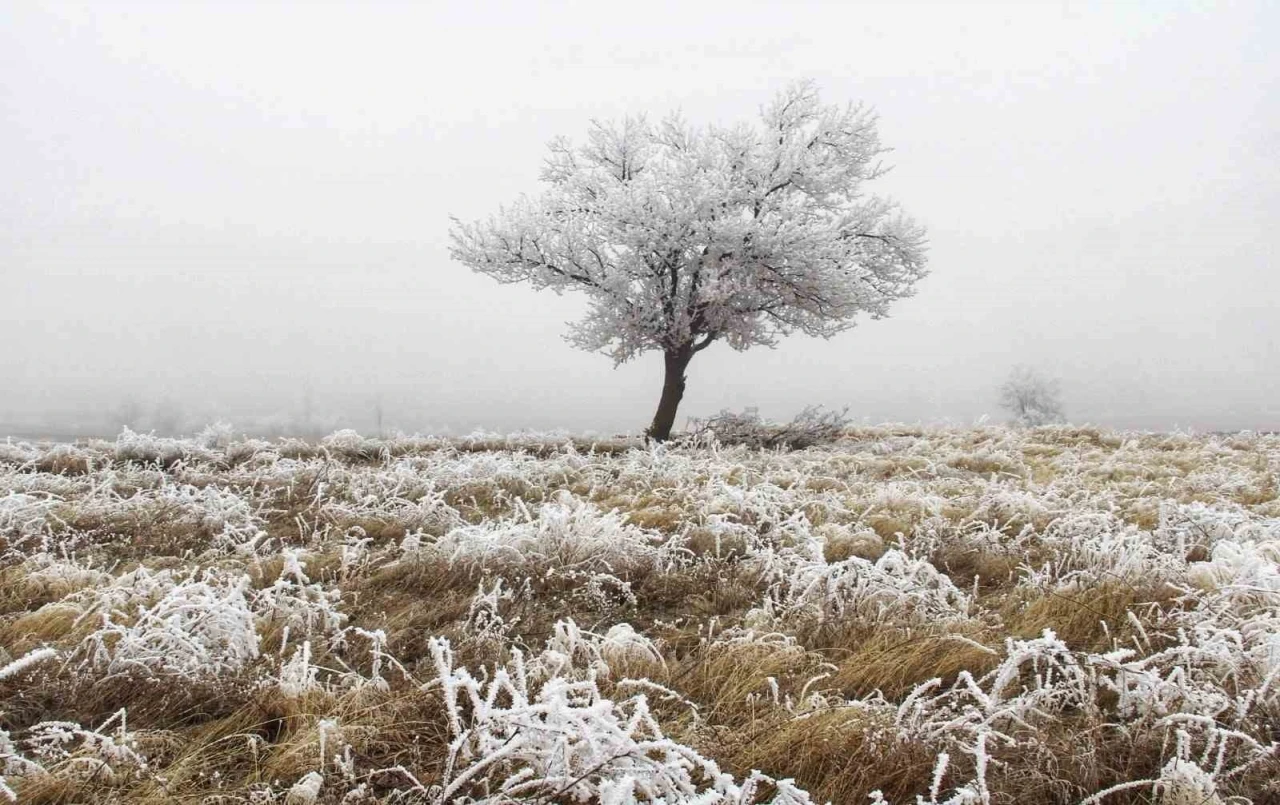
(1031, 398)
(681, 237)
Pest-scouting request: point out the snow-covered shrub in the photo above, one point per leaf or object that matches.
(118, 596)
(566, 534)
(1094, 547)
(12, 765)
(895, 588)
(181, 516)
(148, 448)
(1185, 527)
(351, 446)
(18, 453)
(63, 574)
(1039, 680)
(67, 749)
(570, 647)
(521, 733)
(404, 493)
(1249, 570)
(298, 676)
(306, 790)
(64, 459)
(484, 617)
(216, 436)
(809, 428)
(200, 627)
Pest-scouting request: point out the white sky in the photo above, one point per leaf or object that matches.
(237, 206)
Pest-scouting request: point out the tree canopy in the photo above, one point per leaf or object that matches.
(682, 236)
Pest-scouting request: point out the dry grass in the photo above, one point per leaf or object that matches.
(748, 685)
(1092, 620)
(894, 663)
(835, 756)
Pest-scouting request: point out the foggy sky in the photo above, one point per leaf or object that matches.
(244, 209)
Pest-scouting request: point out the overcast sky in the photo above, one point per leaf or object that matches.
(244, 209)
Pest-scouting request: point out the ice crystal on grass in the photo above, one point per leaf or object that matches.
(13, 765)
(952, 616)
(91, 754)
(149, 448)
(298, 605)
(566, 534)
(298, 676)
(894, 588)
(24, 515)
(306, 790)
(27, 661)
(200, 627)
(544, 730)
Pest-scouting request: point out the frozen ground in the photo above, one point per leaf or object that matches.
(906, 616)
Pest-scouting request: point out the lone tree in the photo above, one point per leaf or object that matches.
(681, 237)
(1031, 398)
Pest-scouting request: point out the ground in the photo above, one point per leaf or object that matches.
(904, 615)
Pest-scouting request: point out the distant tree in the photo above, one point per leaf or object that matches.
(1031, 398)
(681, 237)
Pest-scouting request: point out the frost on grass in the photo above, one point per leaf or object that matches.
(940, 616)
(566, 534)
(543, 729)
(894, 588)
(298, 605)
(199, 627)
(104, 756)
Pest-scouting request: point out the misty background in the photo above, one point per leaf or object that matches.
(240, 212)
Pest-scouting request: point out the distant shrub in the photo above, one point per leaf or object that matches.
(216, 436)
(811, 427)
(147, 448)
(351, 446)
(64, 459)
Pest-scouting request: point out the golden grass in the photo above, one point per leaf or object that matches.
(893, 661)
(51, 623)
(251, 735)
(1088, 620)
(832, 755)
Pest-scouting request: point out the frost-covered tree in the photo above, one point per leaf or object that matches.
(1031, 398)
(682, 236)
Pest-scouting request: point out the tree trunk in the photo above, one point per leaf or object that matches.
(672, 391)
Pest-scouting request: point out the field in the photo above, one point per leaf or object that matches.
(907, 615)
